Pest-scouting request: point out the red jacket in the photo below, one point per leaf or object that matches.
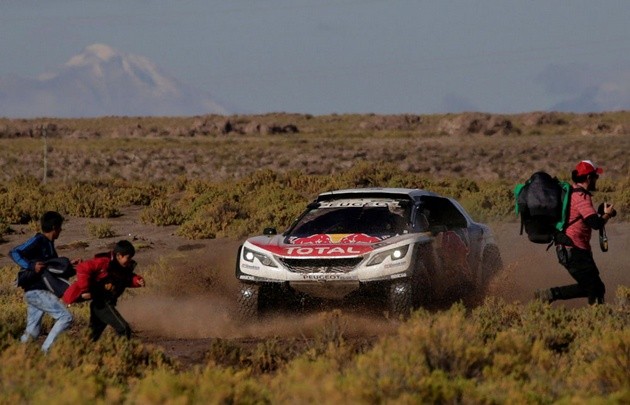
(581, 207)
(96, 276)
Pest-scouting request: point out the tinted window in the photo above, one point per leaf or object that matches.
(371, 220)
(441, 212)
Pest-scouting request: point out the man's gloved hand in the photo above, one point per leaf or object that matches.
(605, 208)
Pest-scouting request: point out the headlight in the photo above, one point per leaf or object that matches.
(393, 254)
(249, 255)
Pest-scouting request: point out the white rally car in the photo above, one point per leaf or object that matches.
(407, 247)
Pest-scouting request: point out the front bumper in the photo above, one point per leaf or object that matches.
(327, 278)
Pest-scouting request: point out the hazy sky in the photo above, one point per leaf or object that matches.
(345, 56)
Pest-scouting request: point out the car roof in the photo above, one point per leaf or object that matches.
(376, 192)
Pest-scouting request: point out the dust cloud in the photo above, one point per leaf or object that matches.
(197, 298)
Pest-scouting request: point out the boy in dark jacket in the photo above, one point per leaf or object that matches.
(31, 257)
(104, 279)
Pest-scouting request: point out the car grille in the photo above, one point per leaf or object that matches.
(344, 265)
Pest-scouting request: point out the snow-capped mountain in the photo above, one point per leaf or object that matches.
(102, 81)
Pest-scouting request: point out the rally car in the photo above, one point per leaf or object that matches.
(408, 247)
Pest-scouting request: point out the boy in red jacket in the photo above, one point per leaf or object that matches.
(104, 279)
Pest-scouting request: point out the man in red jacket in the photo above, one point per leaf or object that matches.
(577, 257)
(104, 279)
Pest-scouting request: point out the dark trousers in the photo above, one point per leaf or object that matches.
(583, 269)
(103, 313)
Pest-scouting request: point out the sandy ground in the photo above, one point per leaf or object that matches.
(195, 301)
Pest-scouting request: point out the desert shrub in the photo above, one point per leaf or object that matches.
(211, 385)
(136, 193)
(309, 186)
(498, 353)
(198, 228)
(88, 201)
(495, 316)
(76, 369)
(239, 207)
(621, 198)
(268, 198)
(162, 212)
(275, 206)
(520, 369)
(4, 228)
(623, 296)
(367, 174)
(489, 202)
(553, 328)
(604, 363)
(426, 353)
(13, 309)
(333, 331)
(100, 230)
(226, 353)
(310, 380)
(20, 200)
(212, 219)
(269, 356)
(227, 211)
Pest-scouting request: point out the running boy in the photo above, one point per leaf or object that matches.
(31, 257)
(104, 279)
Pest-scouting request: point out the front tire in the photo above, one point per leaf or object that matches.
(422, 285)
(491, 265)
(400, 299)
(248, 301)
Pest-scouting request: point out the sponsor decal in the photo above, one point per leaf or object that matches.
(247, 266)
(316, 239)
(345, 203)
(395, 264)
(328, 250)
(327, 277)
(359, 238)
(246, 277)
(321, 238)
(325, 251)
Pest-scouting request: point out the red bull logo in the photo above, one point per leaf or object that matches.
(322, 238)
(359, 238)
(316, 239)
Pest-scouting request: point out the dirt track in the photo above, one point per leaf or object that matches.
(185, 325)
(191, 303)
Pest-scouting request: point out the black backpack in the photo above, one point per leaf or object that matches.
(543, 204)
(56, 275)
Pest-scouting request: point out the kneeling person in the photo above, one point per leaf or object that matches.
(104, 279)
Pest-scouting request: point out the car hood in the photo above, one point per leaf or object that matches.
(323, 245)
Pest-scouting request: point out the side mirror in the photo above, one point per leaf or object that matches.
(270, 231)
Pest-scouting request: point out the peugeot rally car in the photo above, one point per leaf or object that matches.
(409, 247)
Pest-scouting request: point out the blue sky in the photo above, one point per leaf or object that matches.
(348, 56)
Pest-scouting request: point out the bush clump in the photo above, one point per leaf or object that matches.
(235, 208)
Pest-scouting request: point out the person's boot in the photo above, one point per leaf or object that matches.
(545, 295)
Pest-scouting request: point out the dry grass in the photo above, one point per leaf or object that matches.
(175, 169)
(478, 146)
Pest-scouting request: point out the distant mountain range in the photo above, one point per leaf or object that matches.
(102, 81)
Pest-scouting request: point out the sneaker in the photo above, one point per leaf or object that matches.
(545, 295)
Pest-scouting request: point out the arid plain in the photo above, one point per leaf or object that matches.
(199, 305)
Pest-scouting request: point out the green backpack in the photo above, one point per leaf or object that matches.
(543, 205)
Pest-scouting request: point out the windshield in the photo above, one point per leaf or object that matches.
(349, 217)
